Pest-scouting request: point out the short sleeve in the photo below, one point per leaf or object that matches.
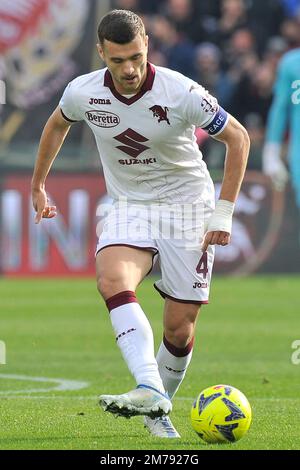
(67, 105)
(203, 110)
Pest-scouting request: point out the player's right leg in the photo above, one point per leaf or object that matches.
(119, 271)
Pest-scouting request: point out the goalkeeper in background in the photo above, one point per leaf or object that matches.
(285, 116)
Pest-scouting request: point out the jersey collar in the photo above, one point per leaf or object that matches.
(147, 85)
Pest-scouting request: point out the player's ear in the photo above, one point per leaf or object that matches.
(146, 41)
(100, 51)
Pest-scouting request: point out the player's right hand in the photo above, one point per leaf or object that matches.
(41, 205)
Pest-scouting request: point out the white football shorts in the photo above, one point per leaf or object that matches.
(173, 233)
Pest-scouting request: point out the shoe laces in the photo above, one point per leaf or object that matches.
(164, 420)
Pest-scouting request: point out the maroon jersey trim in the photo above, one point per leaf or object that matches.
(66, 117)
(151, 249)
(147, 86)
(164, 295)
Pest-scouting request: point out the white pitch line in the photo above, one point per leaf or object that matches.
(62, 385)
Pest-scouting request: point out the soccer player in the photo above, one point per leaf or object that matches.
(143, 118)
(284, 114)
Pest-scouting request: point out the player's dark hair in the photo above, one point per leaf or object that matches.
(120, 26)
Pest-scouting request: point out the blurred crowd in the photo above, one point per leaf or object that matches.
(231, 47)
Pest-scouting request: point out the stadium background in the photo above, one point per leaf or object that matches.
(56, 333)
(232, 47)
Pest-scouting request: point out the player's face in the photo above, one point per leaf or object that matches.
(127, 63)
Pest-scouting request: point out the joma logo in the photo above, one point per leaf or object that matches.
(99, 101)
(200, 285)
(103, 118)
(132, 143)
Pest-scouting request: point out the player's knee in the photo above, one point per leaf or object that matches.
(180, 336)
(180, 325)
(109, 286)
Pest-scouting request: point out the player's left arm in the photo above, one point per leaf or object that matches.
(237, 142)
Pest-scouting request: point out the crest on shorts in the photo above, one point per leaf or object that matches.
(161, 113)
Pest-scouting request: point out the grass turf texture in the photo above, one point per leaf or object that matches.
(60, 329)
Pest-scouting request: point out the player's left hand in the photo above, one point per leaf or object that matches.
(215, 238)
(219, 225)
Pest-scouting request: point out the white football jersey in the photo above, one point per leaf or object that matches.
(147, 142)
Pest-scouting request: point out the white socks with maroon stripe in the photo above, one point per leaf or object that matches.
(172, 364)
(135, 338)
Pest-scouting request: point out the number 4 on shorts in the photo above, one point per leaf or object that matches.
(202, 265)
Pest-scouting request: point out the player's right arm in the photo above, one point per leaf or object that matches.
(53, 136)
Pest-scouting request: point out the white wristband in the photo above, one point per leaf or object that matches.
(221, 220)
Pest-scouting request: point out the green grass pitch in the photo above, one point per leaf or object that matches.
(61, 329)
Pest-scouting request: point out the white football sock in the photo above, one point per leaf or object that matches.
(172, 368)
(135, 339)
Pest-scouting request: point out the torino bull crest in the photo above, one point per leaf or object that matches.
(161, 113)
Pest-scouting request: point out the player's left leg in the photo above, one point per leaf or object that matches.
(186, 274)
(174, 356)
(175, 352)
